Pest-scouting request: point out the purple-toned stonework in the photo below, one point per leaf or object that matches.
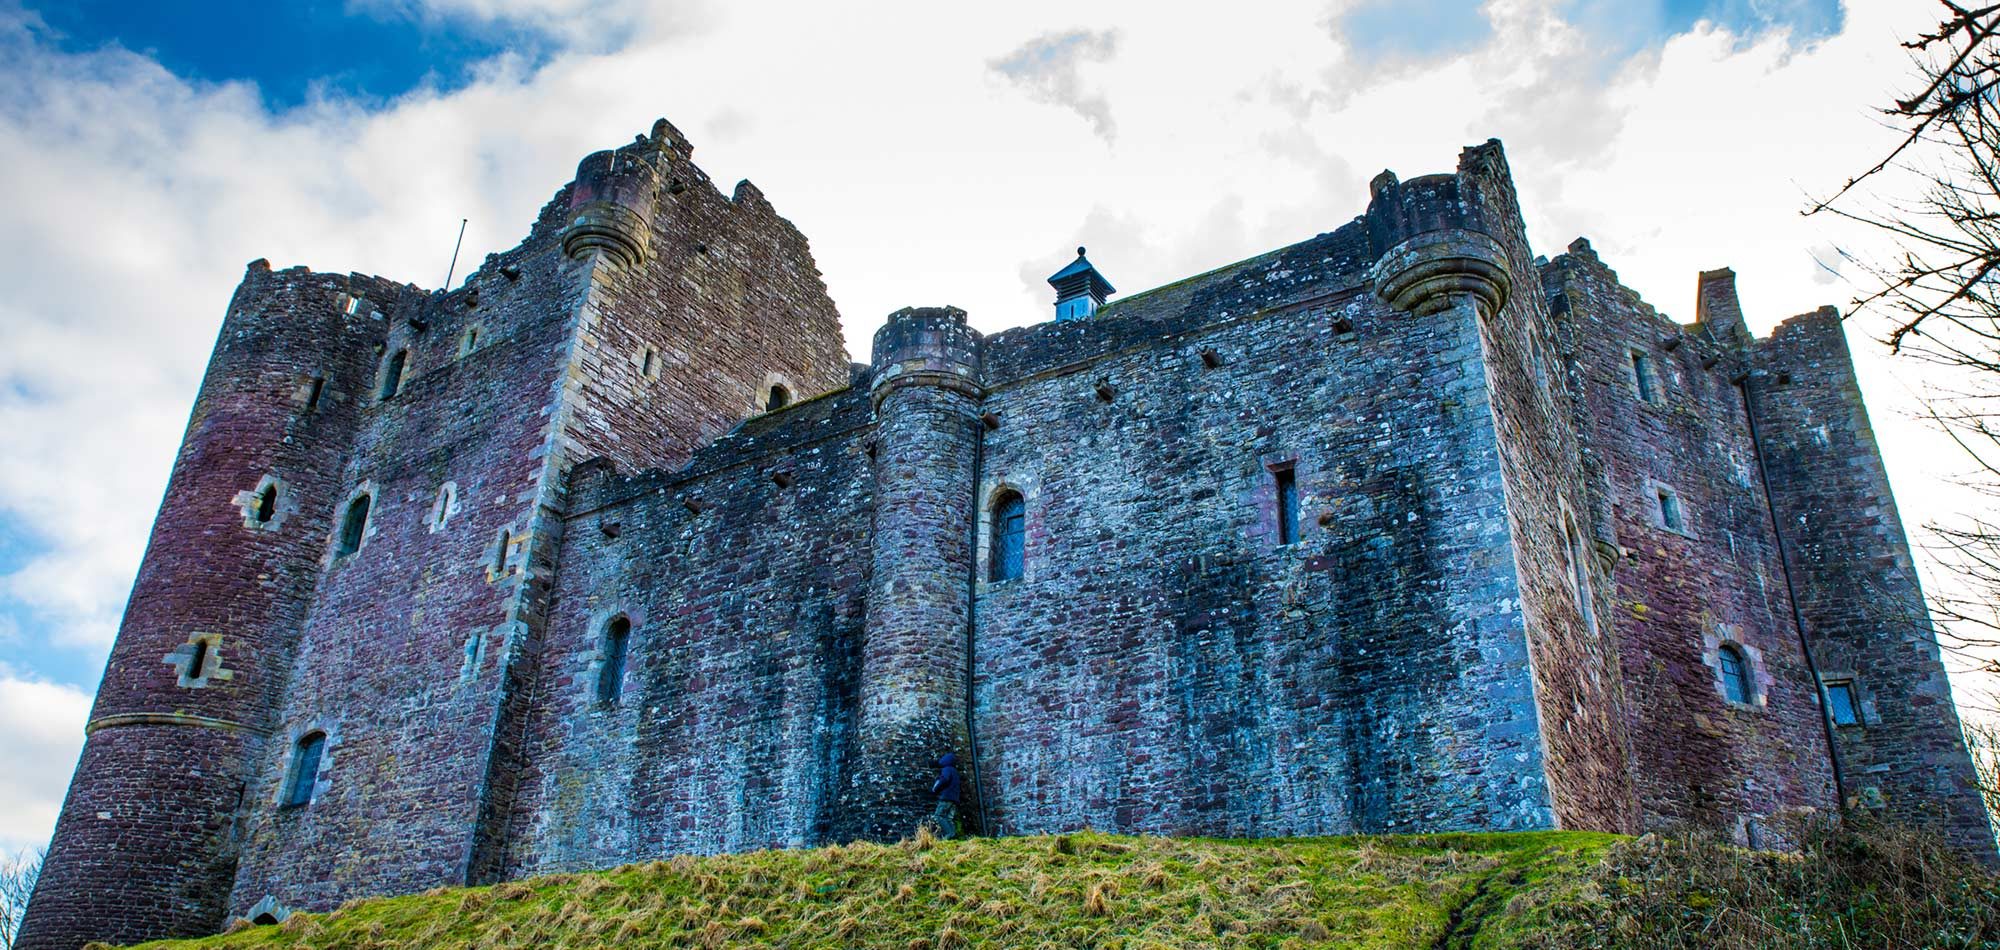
(1399, 528)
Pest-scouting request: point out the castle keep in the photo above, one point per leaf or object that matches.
(610, 554)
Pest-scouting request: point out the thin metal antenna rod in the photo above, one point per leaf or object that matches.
(454, 254)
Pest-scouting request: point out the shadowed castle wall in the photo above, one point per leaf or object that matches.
(1857, 586)
(732, 726)
(147, 843)
(402, 657)
(1682, 594)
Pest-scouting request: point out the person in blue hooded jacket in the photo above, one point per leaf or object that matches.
(945, 816)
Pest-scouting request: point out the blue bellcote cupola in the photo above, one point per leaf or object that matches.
(1080, 289)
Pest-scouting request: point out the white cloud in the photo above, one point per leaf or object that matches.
(1049, 68)
(42, 738)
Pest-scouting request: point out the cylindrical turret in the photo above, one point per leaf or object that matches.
(913, 691)
(144, 846)
(611, 203)
(1438, 245)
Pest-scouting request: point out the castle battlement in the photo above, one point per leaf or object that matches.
(610, 554)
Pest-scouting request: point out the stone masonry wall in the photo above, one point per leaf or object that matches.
(401, 661)
(1697, 757)
(744, 581)
(1164, 665)
(1564, 591)
(698, 308)
(1857, 587)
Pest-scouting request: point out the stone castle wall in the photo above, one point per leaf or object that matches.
(146, 842)
(1480, 624)
(1856, 585)
(1681, 594)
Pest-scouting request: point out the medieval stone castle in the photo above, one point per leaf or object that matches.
(610, 554)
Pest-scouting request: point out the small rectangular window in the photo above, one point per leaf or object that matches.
(1841, 706)
(313, 391)
(1670, 511)
(1288, 505)
(353, 527)
(611, 676)
(305, 770)
(392, 373)
(1642, 377)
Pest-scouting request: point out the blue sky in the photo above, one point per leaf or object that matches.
(154, 148)
(1432, 28)
(293, 49)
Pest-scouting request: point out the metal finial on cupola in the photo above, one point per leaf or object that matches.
(1080, 289)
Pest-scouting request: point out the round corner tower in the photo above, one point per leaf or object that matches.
(612, 202)
(145, 845)
(926, 391)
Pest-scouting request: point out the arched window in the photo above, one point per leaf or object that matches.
(305, 769)
(1735, 673)
(780, 398)
(611, 676)
(267, 504)
(353, 526)
(1010, 521)
(392, 373)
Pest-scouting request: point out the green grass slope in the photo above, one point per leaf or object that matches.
(1534, 889)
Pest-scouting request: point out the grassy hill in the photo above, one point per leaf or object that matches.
(1539, 889)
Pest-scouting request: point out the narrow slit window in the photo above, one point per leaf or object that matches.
(506, 541)
(313, 391)
(611, 676)
(197, 659)
(469, 342)
(1671, 516)
(1010, 521)
(392, 373)
(267, 504)
(353, 526)
(305, 769)
(441, 509)
(1579, 577)
(646, 361)
(1288, 505)
(1642, 377)
(1841, 706)
(1735, 674)
(780, 398)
